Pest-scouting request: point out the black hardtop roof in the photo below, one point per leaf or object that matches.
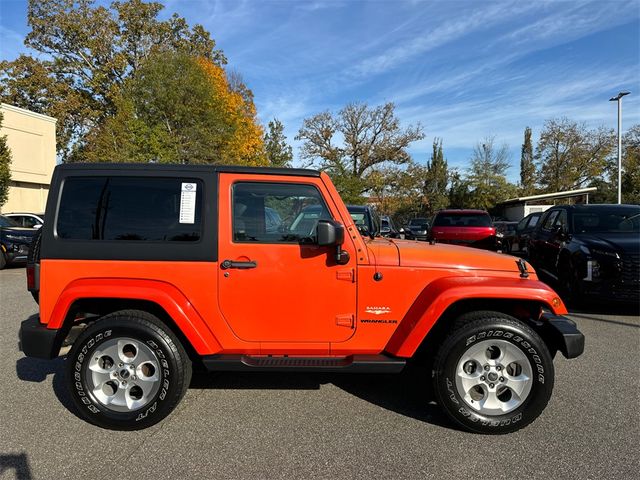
(149, 167)
(597, 206)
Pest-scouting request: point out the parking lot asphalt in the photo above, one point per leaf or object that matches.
(323, 426)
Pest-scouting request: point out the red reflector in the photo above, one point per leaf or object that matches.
(31, 277)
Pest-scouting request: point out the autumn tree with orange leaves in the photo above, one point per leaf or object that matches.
(177, 108)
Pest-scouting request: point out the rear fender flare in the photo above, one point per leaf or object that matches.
(163, 294)
(439, 295)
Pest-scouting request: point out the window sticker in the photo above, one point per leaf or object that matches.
(188, 203)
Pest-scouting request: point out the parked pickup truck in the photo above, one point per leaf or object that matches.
(261, 269)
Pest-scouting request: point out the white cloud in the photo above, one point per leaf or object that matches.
(446, 32)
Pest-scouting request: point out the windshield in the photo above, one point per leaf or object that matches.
(7, 222)
(462, 220)
(358, 218)
(418, 222)
(613, 220)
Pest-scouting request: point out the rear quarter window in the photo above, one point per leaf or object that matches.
(156, 209)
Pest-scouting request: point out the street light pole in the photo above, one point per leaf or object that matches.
(619, 100)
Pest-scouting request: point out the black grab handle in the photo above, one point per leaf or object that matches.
(241, 265)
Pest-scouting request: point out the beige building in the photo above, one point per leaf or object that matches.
(31, 137)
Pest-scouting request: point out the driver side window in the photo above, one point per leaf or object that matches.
(276, 212)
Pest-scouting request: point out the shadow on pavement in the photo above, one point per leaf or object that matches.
(17, 463)
(36, 370)
(581, 316)
(407, 393)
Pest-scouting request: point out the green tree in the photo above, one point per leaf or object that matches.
(487, 174)
(631, 165)
(459, 191)
(86, 52)
(527, 166)
(5, 167)
(174, 111)
(436, 179)
(279, 153)
(570, 156)
(351, 144)
(399, 191)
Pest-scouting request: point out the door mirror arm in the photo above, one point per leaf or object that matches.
(330, 233)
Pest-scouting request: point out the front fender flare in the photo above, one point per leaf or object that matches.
(439, 295)
(163, 294)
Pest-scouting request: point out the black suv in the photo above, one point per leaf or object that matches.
(592, 250)
(14, 242)
(365, 219)
(417, 229)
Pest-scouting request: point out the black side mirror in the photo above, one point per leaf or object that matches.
(562, 232)
(329, 233)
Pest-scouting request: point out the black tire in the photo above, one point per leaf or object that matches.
(493, 328)
(174, 372)
(569, 282)
(3, 260)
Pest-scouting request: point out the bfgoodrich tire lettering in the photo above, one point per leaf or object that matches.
(504, 402)
(166, 377)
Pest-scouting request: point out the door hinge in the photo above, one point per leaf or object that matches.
(346, 275)
(344, 320)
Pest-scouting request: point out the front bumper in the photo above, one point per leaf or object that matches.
(16, 252)
(563, 334)
(36, 340)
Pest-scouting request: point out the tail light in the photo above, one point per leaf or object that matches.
(31, 277)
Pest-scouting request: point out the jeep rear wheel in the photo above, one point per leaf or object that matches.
(493, 374)
(127, 371)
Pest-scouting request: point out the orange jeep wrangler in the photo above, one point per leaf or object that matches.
(262, 269)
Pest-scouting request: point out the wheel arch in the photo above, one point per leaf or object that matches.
(89, 299)
(433, 313)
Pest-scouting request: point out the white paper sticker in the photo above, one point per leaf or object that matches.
(188, 203)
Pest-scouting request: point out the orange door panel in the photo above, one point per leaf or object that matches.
(280, 292)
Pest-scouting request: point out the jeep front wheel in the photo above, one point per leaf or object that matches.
(493, 374)
(127, 371)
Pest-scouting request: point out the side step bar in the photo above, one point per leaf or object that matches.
(350, 364)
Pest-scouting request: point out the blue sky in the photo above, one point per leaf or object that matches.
(463, 69)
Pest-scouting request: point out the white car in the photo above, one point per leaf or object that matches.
(28, 220)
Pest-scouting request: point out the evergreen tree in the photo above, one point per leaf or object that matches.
(487, 175)
(279, 153)
(527, 166)
(437, 178)
(5, 163)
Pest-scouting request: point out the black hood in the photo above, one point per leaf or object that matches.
(623, 243)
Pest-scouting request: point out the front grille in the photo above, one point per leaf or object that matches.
(630, 274)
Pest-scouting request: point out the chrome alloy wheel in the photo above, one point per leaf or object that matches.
(123, 375)
(494, 377)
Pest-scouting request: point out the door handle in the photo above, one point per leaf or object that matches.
(241, 265)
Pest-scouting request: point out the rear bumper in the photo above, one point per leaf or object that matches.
(564, 335)
(36, 340)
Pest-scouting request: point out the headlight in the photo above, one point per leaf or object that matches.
(19, 238)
